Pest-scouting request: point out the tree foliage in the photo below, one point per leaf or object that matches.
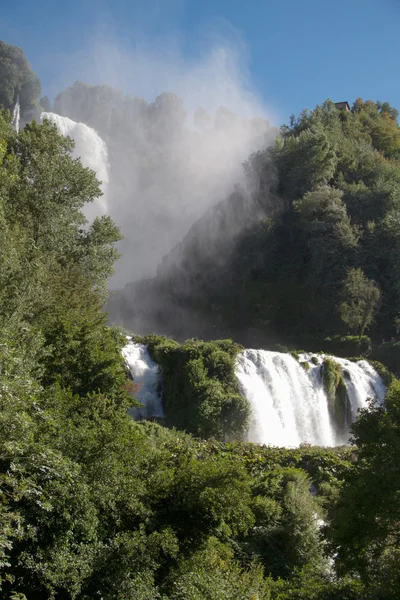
(17, 80)
(365, 528)
(362, 297)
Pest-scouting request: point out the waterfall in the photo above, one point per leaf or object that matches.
(289, 402)
(92, 150)
(16, 116)
(144, 373)
(290, 405)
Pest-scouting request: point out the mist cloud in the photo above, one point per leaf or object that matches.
(170, 162)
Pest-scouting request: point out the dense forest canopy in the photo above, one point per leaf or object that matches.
(96, 505)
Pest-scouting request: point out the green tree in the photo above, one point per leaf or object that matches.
(362, 297)
(304, 162)
(365, 529)
(286, 534)
(17, 79)
(213, 574)
(326, 229)
(201, 393)
(379, 121)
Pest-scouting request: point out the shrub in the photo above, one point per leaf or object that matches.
(200, 392)
(349, 345)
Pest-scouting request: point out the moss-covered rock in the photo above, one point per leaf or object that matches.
(200, 392)
(331, 376)
(335, 387)
(305, 365)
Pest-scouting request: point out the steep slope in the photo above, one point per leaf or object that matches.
(313, 249)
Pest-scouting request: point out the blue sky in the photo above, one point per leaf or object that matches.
(291, 54)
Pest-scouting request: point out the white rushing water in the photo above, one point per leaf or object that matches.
(144, 373)
(92, 151)
(16, 116)
(289, 403)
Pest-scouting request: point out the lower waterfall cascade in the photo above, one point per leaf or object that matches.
(289, 403)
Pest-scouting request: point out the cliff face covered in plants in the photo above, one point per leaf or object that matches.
(308, 250)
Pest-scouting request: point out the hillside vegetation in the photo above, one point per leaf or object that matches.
(309, 249)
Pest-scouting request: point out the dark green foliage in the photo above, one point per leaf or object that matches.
(324, 466)
(348, 345)
(286, 533)
(52, 331)
(361, 299)
(304, 162)
(200, 391)
(212, 574)
(108, 505)
(365, 528)
(308, 585)
(389, 354)
(84, 357)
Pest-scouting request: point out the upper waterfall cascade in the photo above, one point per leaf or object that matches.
(289, 402)
(92, 150)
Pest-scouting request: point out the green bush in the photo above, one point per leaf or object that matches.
(349, 345)
(213, 574)
(200, 392)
